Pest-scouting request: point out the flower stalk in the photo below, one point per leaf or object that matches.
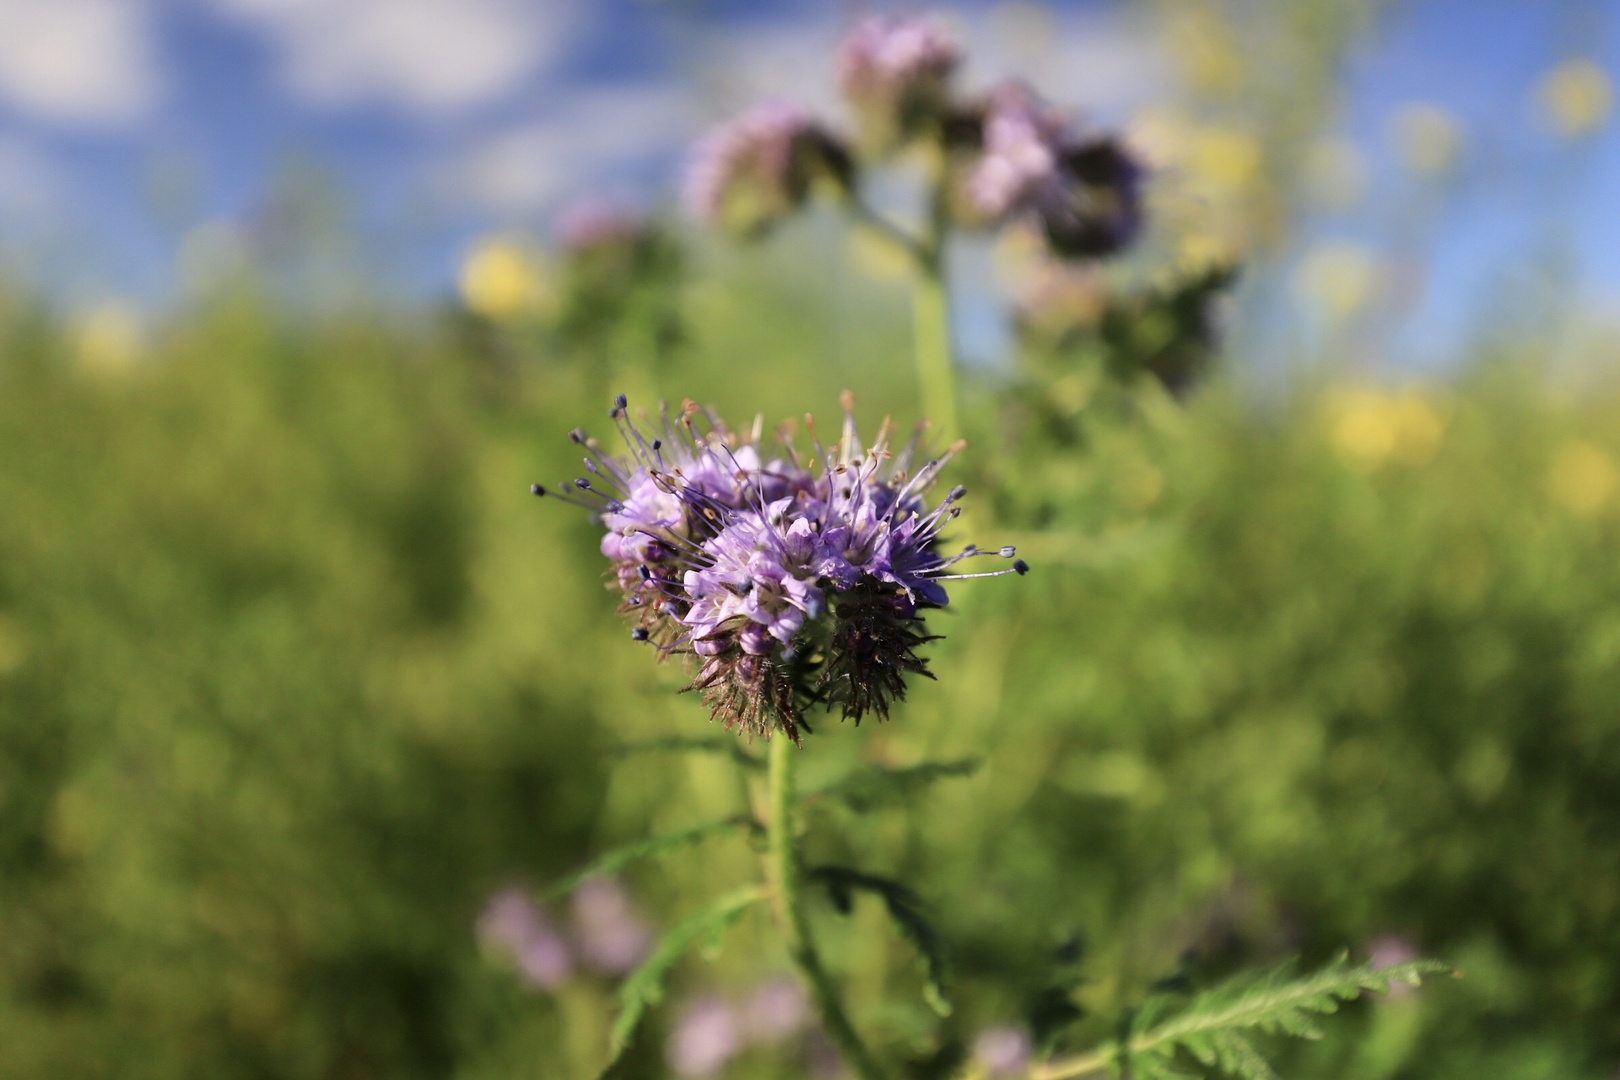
(782, 854)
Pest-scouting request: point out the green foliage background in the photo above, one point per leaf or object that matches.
(295, 674)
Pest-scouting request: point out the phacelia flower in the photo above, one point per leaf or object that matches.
(1084, 192)
(594, 222)
(894, 73)
(788, 582)
(612, 936)
(757, 168)
(515, 926)
(1003, 1050)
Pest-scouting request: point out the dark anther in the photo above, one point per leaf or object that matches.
(1022, 567)
(536, 489)
(956, 493)
(645, 571)
(1008, 552)
(620, 402)
(583, 484)
(658, 444)
(577, 436)
(638, 634)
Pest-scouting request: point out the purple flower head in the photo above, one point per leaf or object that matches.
(1003, 1050)
(612, 937)
(704, 1040)
(514, 926)
(1084, 192)
(1388, 951)
(593, 222)
(894, 72)
(790, 582)
(777, 1009)
(757, 168)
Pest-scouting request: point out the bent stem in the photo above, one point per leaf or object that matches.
(783, 870)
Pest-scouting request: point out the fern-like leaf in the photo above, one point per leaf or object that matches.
(1212, 1026)
(905, 910)
(660, 844)
(644, 987)
(878, 785)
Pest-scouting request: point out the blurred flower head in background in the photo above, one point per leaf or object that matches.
(750, 172)
(612, 936)
(1003, 1050)
(894, 74)
(514, 926)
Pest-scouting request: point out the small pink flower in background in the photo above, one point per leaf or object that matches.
(894, 73)
(705, 1038)
(1003, 1050)
(890, 54)
(612, 936)
(514, 925)
(1021, 150)
(594, 221)
(747, 160)
(1389, 950)
(777, 1009)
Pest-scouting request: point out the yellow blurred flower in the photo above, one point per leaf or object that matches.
(1161, 136)
(1428, 138)
(110, 339)
(1583, 479)
(501, 280)
(1576, 97)
(1225, 159)
(1369, 427)
(1338, 277)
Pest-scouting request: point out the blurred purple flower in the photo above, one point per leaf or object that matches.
(705, 1037)
(1086, 193)
(515, 925)
(1389, 950)
(775, 1010)
(594, 221)
(894, 71)
(612, 937)
(1003, 1050)
(756, 168)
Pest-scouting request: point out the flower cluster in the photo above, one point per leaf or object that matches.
(790, 582)
(1007, 156)
(1085, 192)
(752, 171)
(609, 936)
(894, 73)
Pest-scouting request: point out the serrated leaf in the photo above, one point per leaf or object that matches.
(905, 910)
(644, 987)
(1210, 1026)
(660, 844)
(698, 744)
(878, 785)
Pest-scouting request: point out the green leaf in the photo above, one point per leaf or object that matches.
(661, 844)
(878, 785)
(644, 988)
(1211, 1026)
(701, 744)
(905, 909)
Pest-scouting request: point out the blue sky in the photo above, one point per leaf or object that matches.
(125, 123)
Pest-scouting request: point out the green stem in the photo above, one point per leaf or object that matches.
(931, 337)
(783, 862)
(930, 308)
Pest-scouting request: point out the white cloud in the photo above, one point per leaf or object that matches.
(84, 62)
(429, 57)
(582, 141)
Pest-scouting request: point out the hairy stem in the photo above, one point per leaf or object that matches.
(783, 864)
